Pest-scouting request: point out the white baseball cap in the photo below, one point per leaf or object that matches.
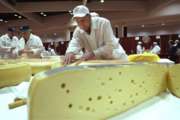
(80, 11)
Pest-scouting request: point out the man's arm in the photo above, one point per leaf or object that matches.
(74, 48)
(109, 40)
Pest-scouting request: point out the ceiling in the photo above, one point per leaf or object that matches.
(54, 15)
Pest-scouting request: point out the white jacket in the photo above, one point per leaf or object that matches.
(101, 41)
(6, 43)
(34, 43)
(139, 49)
(156, 49)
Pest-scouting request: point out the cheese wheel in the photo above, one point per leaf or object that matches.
(93, 93)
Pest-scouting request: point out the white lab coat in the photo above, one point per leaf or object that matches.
(34, 43)
(101, 41)
(6, 43)
(156, 49)
(139, 49)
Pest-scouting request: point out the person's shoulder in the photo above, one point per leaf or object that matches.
(4, 36)
(100, 19)
(35, 36)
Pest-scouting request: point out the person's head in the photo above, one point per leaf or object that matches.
(11, 31)
(155, 43)
(139, 43)
(25, 31)
(146, 39)
(82, 16)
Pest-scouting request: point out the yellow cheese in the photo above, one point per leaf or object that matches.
(146, 57)
(13, 73)
(93, 93)
(174, 79)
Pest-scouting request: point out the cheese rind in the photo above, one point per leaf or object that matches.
(174, 80)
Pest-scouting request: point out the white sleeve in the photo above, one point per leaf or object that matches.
(39, 47)
(75, 44)
(109, 41)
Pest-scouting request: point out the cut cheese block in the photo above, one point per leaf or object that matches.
(13, 73)
(93, 93)
(174, 80)
(39, 65)
(146, 57)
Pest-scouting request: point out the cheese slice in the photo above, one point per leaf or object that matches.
(174, 80)
(13, 73)
(93, 93)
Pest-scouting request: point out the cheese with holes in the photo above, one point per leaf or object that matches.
(93, 93)
(12, 73)
(174, 80)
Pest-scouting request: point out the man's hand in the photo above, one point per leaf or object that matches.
(88, 56)
(69, 58)
(12, 48)
(25, 51)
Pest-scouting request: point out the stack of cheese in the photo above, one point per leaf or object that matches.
(12, 73)
(93, 93)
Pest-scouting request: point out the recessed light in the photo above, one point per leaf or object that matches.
(44, 15)
(1, 20)
(102, 1)
(163, 24)
(41, 13)
(142, 25)
(19, 17)
(15, 15)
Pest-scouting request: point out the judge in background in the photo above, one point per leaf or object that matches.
(155, 48)
(9, 44)
(139, 48)
(30, 44)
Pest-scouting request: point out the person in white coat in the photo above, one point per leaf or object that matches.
(29, 43)
(9, 44)
(156, 49)
(139, 48)
(95, 35)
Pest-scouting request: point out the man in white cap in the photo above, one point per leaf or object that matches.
(30, 44)
(95, 35)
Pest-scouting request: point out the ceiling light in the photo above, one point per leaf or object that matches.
(163, 24)
(5, 21)
(1, 20)
(102, 1)
(44, 15)
(179, 36)
(15, 15)
(41, 13)
(19, 17)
